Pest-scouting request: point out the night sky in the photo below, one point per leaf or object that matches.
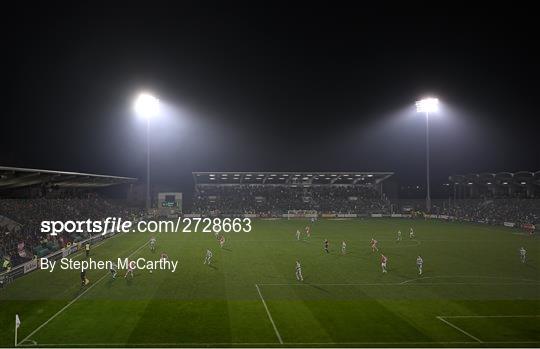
(286, 88)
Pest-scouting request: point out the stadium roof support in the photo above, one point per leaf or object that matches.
(16, 177)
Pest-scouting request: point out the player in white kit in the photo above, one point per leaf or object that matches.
(398, 236)
(343, 247)
(153, 244)
(411, 233)
(374, 245)
(419, 264)
(523, 254)
(113, 270)
(297, 234)
(299, 276)
(208, 257)
(221, 241)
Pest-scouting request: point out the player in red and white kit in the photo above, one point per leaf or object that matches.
(221, 241)
(164, 256)
(384, 259)
(308, 231)
(131, 266)
(374, 245)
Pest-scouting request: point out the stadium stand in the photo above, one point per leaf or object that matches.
(276, 193)
(523, 184)
(29, 196)
(492, 211)
(496, 211)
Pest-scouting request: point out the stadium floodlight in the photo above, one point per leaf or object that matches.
(146, 105)
(426, 106)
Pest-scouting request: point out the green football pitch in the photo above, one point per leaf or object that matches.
(474, 291)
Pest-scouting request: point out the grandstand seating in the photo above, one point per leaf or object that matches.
(28, 214)
(241, 199)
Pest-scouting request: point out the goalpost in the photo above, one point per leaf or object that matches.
(302, 214)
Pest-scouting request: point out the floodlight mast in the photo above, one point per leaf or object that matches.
(426, 106)
(147, 106)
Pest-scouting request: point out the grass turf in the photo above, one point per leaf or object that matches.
(472, 276)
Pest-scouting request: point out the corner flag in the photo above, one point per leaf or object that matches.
(17, 324)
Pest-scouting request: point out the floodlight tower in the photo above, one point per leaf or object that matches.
(426, 106)
(147, 106)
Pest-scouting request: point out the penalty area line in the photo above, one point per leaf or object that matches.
(269, 315)
(458, 328)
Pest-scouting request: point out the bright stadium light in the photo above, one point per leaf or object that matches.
(426, 106)
(146, 105)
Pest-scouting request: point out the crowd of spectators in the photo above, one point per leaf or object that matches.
(275, 200)
(496, 211)
(493, 211)
(20, 238)
(20, 219)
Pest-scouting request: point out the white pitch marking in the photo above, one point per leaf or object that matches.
(256, 343)
(76, 298)
(459, 329)
(487, 316)
(269, 315)
(466, 277)
(408, 285)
